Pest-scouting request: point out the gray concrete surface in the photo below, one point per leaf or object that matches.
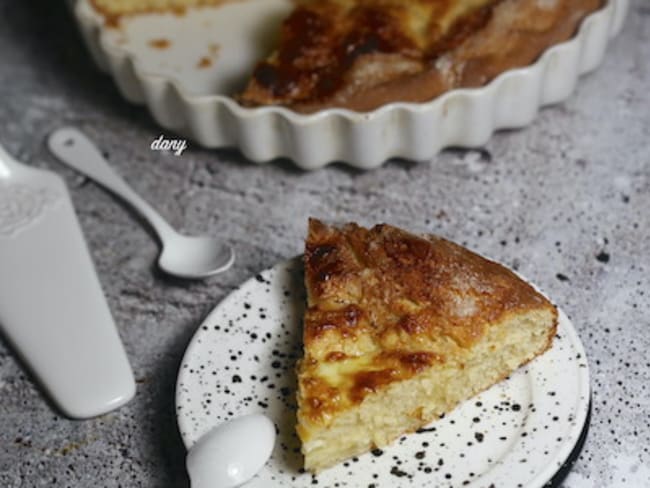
(565, 201)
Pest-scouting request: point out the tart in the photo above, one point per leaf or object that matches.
(399, 329)
(362, 54)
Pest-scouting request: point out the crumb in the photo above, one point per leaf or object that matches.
(160, 43)
(204, 62)
(112, 21)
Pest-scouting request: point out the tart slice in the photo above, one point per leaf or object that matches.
(361, 54)
(399, 330)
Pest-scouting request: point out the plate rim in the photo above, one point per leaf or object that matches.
(554, 465)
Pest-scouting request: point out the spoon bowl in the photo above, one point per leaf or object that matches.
(182, 256)
(192, 257)
(231, 453)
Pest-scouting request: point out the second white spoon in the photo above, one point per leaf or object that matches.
(231, 453)
(182, 256)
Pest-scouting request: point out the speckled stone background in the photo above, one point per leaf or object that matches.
(565, 201)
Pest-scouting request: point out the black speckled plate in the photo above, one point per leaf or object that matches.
(519, 433)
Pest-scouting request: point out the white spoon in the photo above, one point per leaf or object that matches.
(182, 256)
(231, 453)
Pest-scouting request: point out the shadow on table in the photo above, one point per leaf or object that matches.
(164, 438)
(49, 41)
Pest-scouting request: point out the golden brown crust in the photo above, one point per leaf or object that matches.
(384, 305)
(361, 54)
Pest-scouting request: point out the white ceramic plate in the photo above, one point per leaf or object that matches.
(210, 52)
(516, 434)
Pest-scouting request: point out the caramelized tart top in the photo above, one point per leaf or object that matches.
(384, 305)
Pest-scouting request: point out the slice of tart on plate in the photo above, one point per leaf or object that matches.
(400, 329)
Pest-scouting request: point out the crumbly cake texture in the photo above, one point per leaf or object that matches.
(400, 329)
(361, 54)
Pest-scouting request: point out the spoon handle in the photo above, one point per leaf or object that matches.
(75, 149)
